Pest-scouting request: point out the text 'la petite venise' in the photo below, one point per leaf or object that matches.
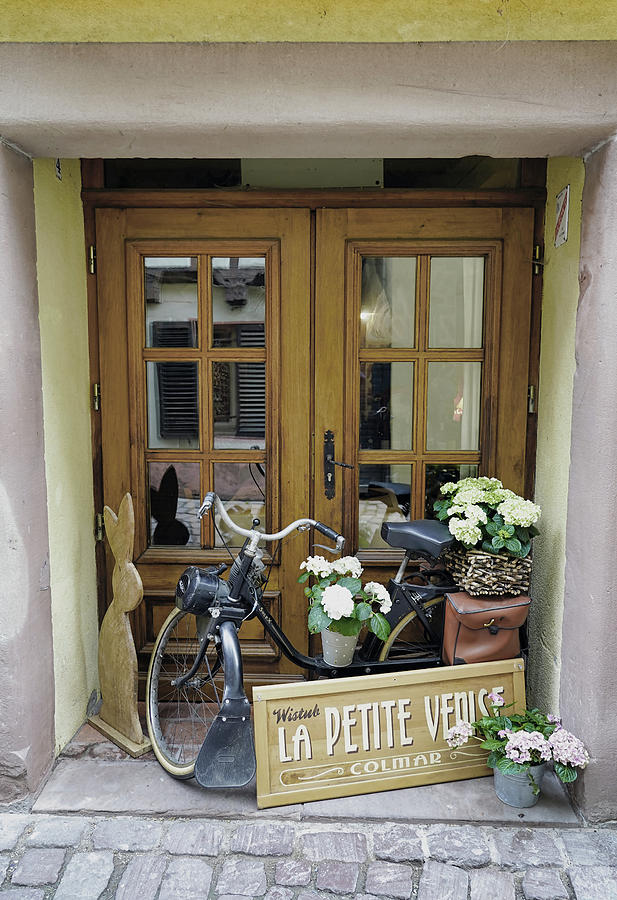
(382, 724)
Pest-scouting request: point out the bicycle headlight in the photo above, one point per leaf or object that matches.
(197, 590)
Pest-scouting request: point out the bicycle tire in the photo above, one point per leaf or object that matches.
(395, 645)
(179, 719)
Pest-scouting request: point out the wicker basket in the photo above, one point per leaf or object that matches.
(479, 573)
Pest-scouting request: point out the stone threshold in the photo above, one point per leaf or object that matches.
(95, 777)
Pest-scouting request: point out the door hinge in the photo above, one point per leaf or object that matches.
(96, 397)
(99, 527)
(531, 398)
(92, 259)
(538, 258)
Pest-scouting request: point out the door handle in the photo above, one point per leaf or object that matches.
(329, 462)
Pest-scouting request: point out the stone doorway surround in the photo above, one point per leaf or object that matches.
(525, 99)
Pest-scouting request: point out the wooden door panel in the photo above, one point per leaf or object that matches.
(281, 239)
(344, 238)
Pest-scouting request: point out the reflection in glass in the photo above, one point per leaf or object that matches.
(173, 405)
(388, 305)
(170, 285)
(242, 488)
(386, 405)
(456, 301)
(385, 496)
(442, 473)
(453, 407)
(238, 301)
(239, 405)
(174, 492)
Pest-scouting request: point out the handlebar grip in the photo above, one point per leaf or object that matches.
(329, 532)
(207, 504)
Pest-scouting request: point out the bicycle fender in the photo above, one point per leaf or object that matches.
(227, 755)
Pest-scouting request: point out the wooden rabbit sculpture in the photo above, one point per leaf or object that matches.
(117, 656)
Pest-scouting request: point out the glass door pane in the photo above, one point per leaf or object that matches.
(171, 301)
(456, 301)
(388, 303)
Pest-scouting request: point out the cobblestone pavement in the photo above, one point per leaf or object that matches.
(146, 858)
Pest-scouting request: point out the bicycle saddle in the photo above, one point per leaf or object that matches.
(422, 536)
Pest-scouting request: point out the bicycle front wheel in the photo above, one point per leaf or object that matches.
(408, 639)
(179, 718)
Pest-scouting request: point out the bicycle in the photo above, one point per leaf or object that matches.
(198, 715)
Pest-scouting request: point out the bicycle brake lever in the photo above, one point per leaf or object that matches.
(329, 549)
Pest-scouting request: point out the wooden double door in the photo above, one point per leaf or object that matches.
(233, 342)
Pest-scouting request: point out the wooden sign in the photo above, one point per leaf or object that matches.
(316, 740)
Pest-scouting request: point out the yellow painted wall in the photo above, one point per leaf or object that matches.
(557, 364)
(68, 452)
(308, 20)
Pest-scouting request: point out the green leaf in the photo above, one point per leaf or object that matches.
(317, 619)
(522, 533)
(352, 584)
(491, 762)
(565, 773)
(497, 543)
(497, 519)
(486, 545)
(509, 767)
(505, 722)
(509, 529)
(346, 626)
(363, 611)
(317, 592)
(513, 545)
(442, 515)
(533, 531)
(304, 577)
(492, 529)
(380, 626)
(492, 744)
(308, 591)
(326, 581)
(525, 548)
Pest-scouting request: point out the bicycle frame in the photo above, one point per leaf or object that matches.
(407, 598)
(227, 757)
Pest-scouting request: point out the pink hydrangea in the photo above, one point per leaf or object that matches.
(567, 749)
(496, 699)
(459, 734)
(527, 747)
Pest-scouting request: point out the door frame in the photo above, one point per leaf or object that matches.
(95, 196)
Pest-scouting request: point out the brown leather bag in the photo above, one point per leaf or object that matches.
(482, 629)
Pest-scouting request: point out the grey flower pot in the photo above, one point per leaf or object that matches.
(338, 649)
(516, 790)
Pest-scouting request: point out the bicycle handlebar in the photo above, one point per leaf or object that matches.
(212, 499)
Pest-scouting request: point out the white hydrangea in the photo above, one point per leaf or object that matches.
(379, 593)
(483, 483)
(469, 495)
(337, 602)
(499, 495)
(475, 514)
(456, 511)
(449, 487)
(318, 566)
(516, 511)
(464, 531)
(347, 565)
